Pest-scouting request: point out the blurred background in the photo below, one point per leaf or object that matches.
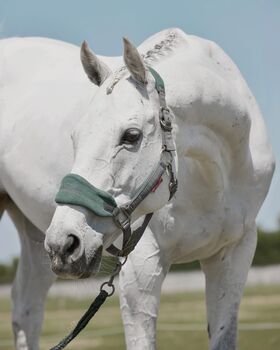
(248, 31)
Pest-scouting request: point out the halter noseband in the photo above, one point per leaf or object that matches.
(76, 190)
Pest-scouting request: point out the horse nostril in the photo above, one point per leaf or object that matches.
(72, 244)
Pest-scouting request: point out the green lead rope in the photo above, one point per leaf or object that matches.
(94, 307)
(92, 310)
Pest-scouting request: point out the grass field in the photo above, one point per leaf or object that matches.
(181, 323)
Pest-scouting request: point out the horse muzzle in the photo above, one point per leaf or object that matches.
(70, 259)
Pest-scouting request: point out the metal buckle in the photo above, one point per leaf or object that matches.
(173, 183)
(173, 186)
(121, 217)
(165, 121)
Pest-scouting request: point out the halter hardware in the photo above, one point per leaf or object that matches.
(78, 191)
(165, 121)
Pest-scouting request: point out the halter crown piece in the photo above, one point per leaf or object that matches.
(76, 190)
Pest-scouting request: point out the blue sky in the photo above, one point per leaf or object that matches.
(247, 30)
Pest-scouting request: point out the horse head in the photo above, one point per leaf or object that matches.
(123, 167)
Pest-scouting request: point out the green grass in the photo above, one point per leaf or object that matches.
(181, 323)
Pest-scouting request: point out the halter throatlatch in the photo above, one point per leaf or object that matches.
(78, 191)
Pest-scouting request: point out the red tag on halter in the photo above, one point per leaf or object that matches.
(157, 185)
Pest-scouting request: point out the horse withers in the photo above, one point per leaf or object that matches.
(106, 131)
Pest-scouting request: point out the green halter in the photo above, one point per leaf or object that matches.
(76, 190)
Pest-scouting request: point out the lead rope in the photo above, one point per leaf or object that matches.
(93, 308)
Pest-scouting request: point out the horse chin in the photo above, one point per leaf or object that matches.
(94, 266)
(82, 268)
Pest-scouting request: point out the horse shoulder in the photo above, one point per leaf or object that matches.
(207, 91)
(224, 155)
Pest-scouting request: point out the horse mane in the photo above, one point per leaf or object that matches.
(163, 46)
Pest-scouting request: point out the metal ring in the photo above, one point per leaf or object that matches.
(124, 261)
(109, 285)
(164, 108)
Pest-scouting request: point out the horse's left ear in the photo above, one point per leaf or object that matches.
(96, 70)
(134, 62)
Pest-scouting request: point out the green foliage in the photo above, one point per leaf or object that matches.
(268, 248)
(194, 265)
(7, 272)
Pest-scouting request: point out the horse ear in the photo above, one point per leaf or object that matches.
(96, 70)
(134, 62)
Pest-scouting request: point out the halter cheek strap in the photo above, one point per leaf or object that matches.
(78, 191)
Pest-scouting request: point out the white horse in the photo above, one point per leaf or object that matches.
(53, 121)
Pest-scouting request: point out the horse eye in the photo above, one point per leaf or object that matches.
(131, 136)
